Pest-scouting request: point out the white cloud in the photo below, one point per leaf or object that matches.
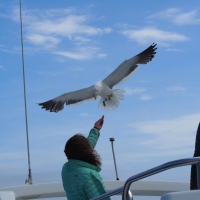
(177, 16)
(51, 73)
(151, 34)
(66, 26)
(176, 88)
(179, 125)
(52, 28)
(174, 135)
(102, 55)
(107, 30)
(6, 49)
(172, 49)
(1, 67)
(81, 39)
(59, 59)
(72, 55)
(131, 91)
(82, 53)
(146, 97)
(85, 115)
(46, 41)
(166, 14)
(57, 23)
(187, 18)
(153, 152)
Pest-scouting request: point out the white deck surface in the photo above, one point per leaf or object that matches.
(141, 188)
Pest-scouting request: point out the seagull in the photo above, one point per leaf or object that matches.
(110, 98)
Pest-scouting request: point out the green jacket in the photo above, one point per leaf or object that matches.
(82, 180)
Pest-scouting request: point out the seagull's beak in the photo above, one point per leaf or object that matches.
(95, 96)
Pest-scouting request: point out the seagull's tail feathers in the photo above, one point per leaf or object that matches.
(113, 101)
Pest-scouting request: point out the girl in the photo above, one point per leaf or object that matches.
(80, 175)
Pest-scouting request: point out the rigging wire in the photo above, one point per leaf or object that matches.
(29, 180)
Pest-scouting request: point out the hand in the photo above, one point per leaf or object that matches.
(99, 123)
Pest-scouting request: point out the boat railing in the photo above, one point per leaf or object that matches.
(125, 190)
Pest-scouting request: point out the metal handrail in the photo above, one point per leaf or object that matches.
(169, 165)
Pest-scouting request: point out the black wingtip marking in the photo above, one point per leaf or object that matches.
(148, 54)
(53, 106)
(50, 106)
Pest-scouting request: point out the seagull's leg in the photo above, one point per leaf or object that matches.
(104, 104)
(109, 96)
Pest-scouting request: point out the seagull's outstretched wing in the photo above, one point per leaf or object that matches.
(78, 96)
(128, 66)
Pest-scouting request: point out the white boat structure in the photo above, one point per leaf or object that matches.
(133, 186)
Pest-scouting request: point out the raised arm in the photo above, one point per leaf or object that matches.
(94, 132)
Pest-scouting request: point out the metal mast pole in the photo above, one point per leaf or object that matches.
(112, 140)
(29, 180)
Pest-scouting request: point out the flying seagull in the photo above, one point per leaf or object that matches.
(110, 98)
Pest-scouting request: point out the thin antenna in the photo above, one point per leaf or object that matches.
(112, 140)
(29, 180)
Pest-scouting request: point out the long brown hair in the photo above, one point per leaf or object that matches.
(79, 148)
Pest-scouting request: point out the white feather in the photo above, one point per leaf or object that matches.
(112, 102)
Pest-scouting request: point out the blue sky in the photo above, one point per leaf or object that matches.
(70, 45)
